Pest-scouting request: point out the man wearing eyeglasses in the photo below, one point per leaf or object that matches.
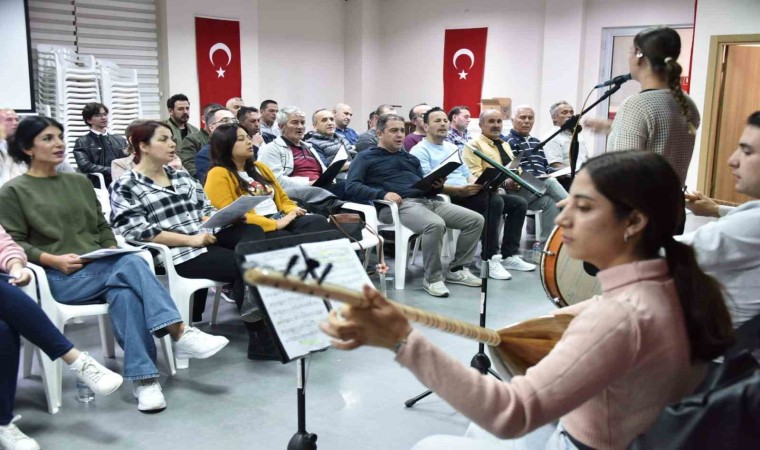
(202, 163)
(95, 151)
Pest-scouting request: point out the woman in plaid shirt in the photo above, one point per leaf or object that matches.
(156, 203)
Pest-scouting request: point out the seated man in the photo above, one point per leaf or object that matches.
(325, 140)
(214, 118)
(432, 151)
(95, 151)
(558, 149)
(178, 106)
(532, 161)
(193, 143)
(294, 161)
(415, 116)
(368, 139)
(234, 104)
(491, 145)
(250, 118)
(728, 249)
(459, 119)
(387, 173)
(343, 115)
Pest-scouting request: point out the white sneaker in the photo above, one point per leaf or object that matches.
(194, 343)
(514, 262)
(226, 293)
(149, 396)
(100, 379)
(496, 270)
(463, 277)
(11, 438)
(437, 289)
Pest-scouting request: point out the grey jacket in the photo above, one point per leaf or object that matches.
(278, 157)
(328, 146)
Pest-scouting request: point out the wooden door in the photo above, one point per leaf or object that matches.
(739, 97)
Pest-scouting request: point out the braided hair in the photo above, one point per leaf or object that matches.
(662, 46)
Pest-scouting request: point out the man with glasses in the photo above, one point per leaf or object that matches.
(95, 151)
(203, 158)
(193, 143)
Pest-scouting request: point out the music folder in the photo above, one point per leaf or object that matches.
(494, 176)
(332, 171)
(444, 169)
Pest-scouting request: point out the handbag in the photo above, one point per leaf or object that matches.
(350, 224)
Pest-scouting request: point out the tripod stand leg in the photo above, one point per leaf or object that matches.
(409, 403)
(302, 440)
(493, 372)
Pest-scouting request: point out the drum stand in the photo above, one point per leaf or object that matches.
(480, 361)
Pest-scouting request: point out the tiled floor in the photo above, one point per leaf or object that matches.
(355, 400)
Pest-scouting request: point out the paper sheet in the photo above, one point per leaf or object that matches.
(234, 211)
(106, 252)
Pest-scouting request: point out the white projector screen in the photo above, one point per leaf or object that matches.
(17, 91)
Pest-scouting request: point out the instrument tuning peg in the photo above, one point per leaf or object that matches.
(291, 264)
(327, 270)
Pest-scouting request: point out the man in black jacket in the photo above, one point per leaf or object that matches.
(95, 151)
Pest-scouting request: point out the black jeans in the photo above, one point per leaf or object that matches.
(20, 315)
(311, 223)
(513, 206)
(219, 263)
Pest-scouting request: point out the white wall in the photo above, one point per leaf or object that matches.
(716, 17)
(179, 28)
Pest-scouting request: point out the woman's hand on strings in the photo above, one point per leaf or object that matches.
(380, 324)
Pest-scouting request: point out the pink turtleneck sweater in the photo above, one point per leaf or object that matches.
(623, 358)
(9, 250)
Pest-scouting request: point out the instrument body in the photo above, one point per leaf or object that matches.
(518, 346)
(564, 279)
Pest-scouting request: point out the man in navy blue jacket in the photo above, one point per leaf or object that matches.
(387, 173)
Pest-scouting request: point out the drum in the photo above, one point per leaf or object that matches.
(564, 279)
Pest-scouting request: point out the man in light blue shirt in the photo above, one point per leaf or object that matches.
(460, 185)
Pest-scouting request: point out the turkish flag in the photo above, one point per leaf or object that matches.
(464, 61)
(217, 54)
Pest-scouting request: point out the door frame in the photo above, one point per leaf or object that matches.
(713, 90)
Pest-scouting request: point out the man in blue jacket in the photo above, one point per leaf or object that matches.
(387, 173)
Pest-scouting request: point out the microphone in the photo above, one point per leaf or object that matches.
(620, 79)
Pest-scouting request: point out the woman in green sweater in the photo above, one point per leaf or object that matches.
(55, 218)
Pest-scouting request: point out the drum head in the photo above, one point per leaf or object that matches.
(564, 278)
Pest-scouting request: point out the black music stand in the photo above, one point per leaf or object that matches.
(491, 179)
(301, 440)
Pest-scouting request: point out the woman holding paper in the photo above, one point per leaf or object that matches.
(235, 175)
(55, 217)
(156, 203)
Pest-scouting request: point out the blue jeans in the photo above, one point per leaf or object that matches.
(137, 303)
(20, 315)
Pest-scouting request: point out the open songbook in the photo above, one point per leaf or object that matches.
(444, 169)
(332, 171)
(234, 211)
(293, 316)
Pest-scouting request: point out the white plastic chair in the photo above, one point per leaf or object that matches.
(402, 236)
(536, 213)
(59, 314)
(182, 289)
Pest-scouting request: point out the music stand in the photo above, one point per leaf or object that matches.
(301, 440)
(491, 179)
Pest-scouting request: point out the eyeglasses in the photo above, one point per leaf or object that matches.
(227, 121)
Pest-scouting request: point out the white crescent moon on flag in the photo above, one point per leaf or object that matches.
(467, 52)
(219, 46)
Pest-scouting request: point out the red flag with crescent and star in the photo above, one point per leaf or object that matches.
(464, 62)
(217, 52)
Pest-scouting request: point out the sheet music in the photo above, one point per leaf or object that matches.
(296, 316)
(234, 211)
(106, 252)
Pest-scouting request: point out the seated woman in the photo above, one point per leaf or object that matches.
(235, 174)
(19, 315)
(121, 165)
(627, 354)
(156, 203)
(55, 217)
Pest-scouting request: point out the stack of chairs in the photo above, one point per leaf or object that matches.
(120, 93)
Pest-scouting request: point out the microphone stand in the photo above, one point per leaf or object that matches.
(480, 361)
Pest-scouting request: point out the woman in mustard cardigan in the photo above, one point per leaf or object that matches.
(235, 174)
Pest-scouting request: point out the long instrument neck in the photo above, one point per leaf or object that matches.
(329, 291)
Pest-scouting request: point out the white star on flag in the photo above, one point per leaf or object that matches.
(463, 75)
(220, 73)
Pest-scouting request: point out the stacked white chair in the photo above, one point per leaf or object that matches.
(66, 82)
(120, 93)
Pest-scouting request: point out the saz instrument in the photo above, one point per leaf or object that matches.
(519, 346)
(564, 278)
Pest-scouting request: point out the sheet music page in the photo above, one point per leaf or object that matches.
(234, 211)
(340, 155)
(347, 270)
